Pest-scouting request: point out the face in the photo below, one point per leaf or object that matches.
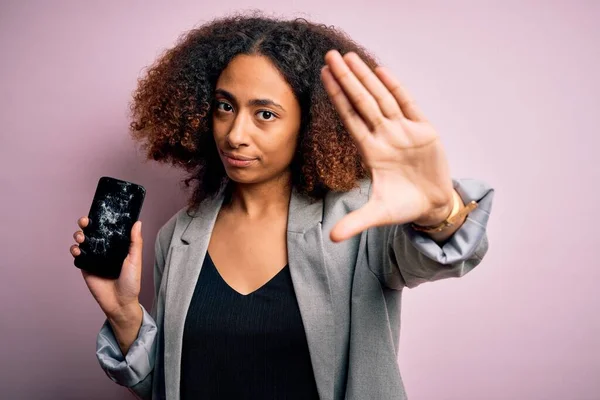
(256, 120)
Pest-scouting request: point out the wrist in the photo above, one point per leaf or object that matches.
(441, 214)
(452, 223)
(126, 316)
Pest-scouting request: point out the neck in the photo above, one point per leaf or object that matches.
(260, 199)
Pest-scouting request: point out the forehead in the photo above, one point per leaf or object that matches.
(254, 76)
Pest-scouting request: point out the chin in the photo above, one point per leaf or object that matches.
(243, 177)
(248, 177)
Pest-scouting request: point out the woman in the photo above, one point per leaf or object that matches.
(321, 192)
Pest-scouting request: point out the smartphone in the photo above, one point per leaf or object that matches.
(115, 208)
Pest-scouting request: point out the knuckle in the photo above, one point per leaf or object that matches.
(345, 75)
(396, 88)
(351, 112)
(378, 123)
(360, 98)
(407, 104)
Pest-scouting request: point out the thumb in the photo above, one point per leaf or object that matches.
(367, 216)
(135, 247)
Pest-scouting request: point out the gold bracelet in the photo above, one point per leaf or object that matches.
(456, 214)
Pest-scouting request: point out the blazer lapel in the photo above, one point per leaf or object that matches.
(311, 283)
(184, 268)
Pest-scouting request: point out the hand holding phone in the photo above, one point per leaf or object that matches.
(116, 288)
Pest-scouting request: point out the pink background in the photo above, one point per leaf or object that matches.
(512, 87)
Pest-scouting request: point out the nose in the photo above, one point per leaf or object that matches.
(238, 134)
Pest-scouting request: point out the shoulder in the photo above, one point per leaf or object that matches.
(173, 227)
(187, 223)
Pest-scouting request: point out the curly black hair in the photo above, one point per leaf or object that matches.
(173, 103)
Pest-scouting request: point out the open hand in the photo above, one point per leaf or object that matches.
(400, 148)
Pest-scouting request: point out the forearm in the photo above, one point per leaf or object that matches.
(126, 326)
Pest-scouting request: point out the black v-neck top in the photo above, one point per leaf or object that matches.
(245, 346)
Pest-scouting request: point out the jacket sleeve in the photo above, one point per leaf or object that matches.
(135, 369)
(411, 257)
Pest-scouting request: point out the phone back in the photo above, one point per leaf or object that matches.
(115, 208)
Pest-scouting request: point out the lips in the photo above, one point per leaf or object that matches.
(237, 160)
(237, 157)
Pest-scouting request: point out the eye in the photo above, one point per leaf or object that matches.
(222, 106)
(267, 115)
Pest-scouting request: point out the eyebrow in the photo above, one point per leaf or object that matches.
(253, 102)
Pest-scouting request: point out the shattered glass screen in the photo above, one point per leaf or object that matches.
(115, 208)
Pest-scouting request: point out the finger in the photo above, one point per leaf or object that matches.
(87, 276)
(386, 101)
(79, 237)
(352, 121)
(83, 222)
(404, 99)
(368, 216)
(75, 251)
(362, 101)
(135, 248)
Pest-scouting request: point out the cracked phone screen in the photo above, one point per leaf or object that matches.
(115, 208)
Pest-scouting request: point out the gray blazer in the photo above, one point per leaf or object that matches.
(349, 293)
